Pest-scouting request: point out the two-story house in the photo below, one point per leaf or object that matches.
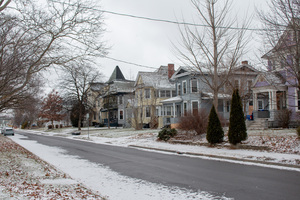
(193, 94)
(114, 99)
(278, 89)
(150, 89)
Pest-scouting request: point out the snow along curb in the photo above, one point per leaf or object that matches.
(216, 156)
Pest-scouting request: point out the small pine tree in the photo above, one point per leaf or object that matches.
(237, 127)
(215, 133)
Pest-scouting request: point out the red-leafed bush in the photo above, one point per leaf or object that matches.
(194, 122)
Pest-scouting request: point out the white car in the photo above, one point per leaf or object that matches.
(7, 131)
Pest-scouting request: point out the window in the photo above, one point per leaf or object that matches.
(184, 108)
(163, 93)
(260, 104)
(169, 110)
(121, 115)
(147, 111)
(195, 107)
(228, 106)
(173, 93)
(236, 83)
(249, 84)
(168, 93)
(194, 86)
(147, 93)
(157, 111)
(120, 100)
(298, 92)
(178, 89)
(184, 87)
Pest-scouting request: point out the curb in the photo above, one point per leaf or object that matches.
(215, 156)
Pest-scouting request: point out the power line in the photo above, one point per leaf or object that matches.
(144, 66)
(175, 22)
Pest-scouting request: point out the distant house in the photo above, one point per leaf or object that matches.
(114, 97)
(150, 89)
(193, 94)
(277, 90)
(94, 94)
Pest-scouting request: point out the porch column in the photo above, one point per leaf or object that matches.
(270, 93)
(274, 100)
(174, 111)
(254, 101)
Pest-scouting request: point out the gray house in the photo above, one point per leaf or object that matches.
(114, 99)
(194, 95)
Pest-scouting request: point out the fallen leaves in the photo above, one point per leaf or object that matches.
(21, 173)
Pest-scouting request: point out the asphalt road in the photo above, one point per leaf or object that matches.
(220, 178)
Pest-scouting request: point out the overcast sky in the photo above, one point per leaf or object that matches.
(150, 43)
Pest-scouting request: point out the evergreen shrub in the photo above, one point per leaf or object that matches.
(166, 133)
(298, 132)
(237, 127)
(215, 133)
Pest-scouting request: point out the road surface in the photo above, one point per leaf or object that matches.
(217, 177)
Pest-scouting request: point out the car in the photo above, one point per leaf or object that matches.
(8, 131)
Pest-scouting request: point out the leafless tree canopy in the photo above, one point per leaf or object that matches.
(34, 37)
(215, 48)
(282, 37)
(75, 84)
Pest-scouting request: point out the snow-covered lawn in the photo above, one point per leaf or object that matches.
(25, 176)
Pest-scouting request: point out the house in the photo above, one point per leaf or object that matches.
(94, 94)
(115, 96)
(150, 89)
(277, 90)
(193, 94)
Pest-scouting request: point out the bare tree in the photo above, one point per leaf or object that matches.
(282, 38)
(75, 85)
(214, 48)
(35, 37)
(27, 112)
(4, 4)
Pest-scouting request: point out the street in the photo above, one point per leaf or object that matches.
(219, 178)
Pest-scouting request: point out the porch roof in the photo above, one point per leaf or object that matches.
(209, 95)
(172, 100)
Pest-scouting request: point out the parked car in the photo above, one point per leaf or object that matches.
(8, 131)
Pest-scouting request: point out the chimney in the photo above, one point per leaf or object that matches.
(245, 62)
(171, 70)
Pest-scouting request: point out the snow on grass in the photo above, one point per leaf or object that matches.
(25, 176)
(107, 182)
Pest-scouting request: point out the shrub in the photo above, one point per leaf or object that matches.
(197, 123)
(60, 126)
(298, 131)
(56, 126)
(166, 133)
(50, 126)
(215, 133)
(283, 117)
(237, 128)
(24, 125)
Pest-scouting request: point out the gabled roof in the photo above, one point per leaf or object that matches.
(269, 79)
(116, 75)
(155, 80)
(96, 86)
